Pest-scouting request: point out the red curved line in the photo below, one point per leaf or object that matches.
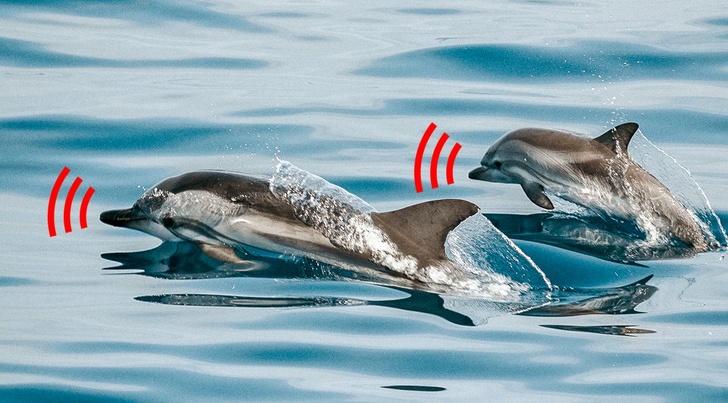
(435, 159)
(69, 201)
(420, 154)
(52, 201)
(451, 163)
(84, 206)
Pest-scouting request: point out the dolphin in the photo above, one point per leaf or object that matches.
(594, 173)
(224, 212)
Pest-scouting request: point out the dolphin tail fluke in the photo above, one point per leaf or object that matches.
(617, 139)
(420, 230)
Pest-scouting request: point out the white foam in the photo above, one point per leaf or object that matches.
(483, 262)
(338, 215)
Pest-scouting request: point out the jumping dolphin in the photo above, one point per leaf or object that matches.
(223, 211)
(595, 173)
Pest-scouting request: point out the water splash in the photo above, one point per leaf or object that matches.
(644, 221)
(478, 247)
(682, 185)
(483, 263)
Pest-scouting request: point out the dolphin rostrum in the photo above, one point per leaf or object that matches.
(595, 173)
(223, 212)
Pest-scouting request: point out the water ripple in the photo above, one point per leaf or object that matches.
(506, 62)
(143, 12)
(18, 53)
(667, 124)
(429, 11)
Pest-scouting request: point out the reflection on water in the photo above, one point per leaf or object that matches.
(416, 388)
(593, 236)
(616, 330)
(186, 261)
(597, 301)
(417, 301)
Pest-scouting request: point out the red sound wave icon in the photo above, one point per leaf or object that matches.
(68, 203)
(435, 159)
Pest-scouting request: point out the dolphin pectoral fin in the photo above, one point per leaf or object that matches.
(420, 230)
(617, 139)
(222, 253)
(535, 193)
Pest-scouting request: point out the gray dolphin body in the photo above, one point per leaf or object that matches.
(221, 211)
(595, 173)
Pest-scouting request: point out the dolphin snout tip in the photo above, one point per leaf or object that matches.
(477, 173)
(117, 218)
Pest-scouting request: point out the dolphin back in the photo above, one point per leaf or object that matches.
(420, 230)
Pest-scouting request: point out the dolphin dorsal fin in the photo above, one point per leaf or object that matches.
(617, 139)
(420, 230)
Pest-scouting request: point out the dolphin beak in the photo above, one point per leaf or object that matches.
(478, 173)
(119, 218)
(135, 219)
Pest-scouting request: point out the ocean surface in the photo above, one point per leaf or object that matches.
(127, 93)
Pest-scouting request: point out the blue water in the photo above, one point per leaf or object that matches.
(127, 93)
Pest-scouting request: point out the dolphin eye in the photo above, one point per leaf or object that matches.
(497, 164)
